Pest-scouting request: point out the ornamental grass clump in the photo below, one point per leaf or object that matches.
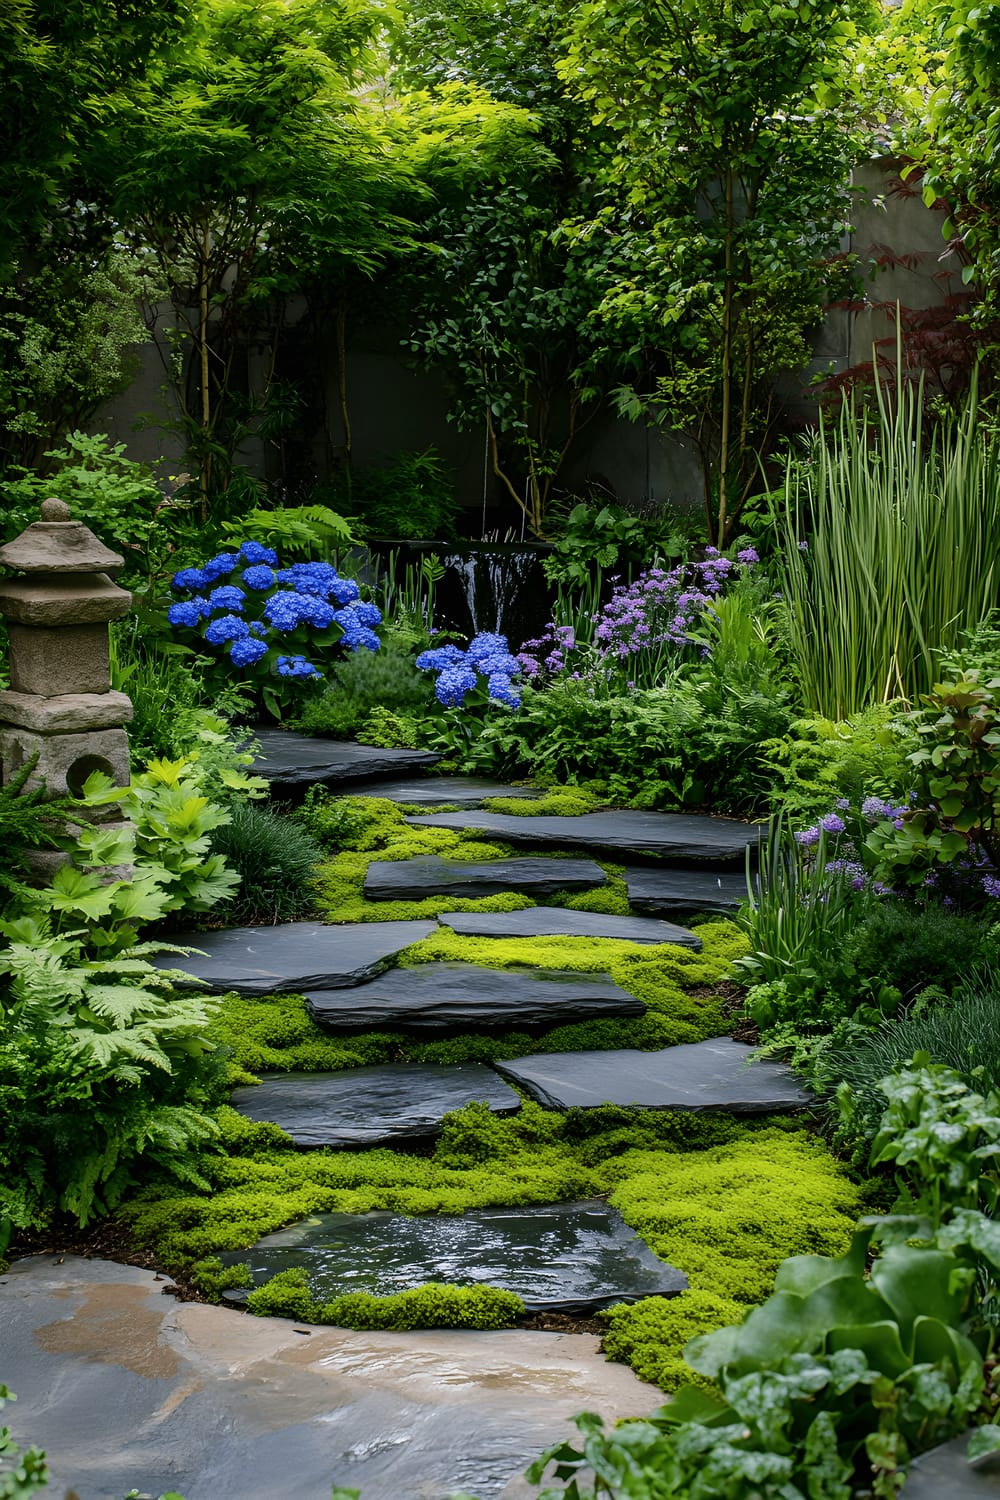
(264, 618)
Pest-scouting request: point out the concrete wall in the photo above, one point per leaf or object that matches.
(393, 407)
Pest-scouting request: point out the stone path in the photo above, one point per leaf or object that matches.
(364, 1107)
(294, 956)
(559, 921)
(676, 836)
(559, 1257)
(290, 761)
(665, 892)
(430, 875)
(128, 1389)
(716, 1074)
(945, 1474)
(463, 997)
(439, 791)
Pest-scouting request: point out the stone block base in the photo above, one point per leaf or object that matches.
(65, 760)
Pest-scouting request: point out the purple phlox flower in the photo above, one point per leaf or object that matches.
(842, 803)
(850, 868)
(218, 567)
(529, 666)
(227, 596)
(747, 557)
(502, 690)
(226, 628)
(711, 551)
(832, 823)
(296, 666)
(189, 578)
(453, 684)
(803, 546)
(259, 577)
(245, 652)
(256, 552)
(898, 823)
(438, 658)
(991, 885)
(874, 808)
(486, 644)
(189, 612)
(808, 836)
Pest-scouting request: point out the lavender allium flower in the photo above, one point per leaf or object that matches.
(808, 836)
(831, 823)
(747, 557)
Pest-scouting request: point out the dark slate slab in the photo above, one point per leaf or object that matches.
(945, 1474)
(664, 892)
(295, 955)
(430, 875)
(287, 759)
(435, 791)
(434, 997)
(558, 921)
(675, 836)
(700, 1075)
(565, 1257)
(372, 1106)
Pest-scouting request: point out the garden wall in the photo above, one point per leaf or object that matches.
(394, 407)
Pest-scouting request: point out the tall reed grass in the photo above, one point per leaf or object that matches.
(889, 547)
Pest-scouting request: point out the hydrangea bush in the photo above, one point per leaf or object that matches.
(273, 623)
(486, 663)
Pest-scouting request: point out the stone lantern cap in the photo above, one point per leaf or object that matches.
(58, 544)
(67, 569)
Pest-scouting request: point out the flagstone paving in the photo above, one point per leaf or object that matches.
(453, 997)
(293, 956)
(289, 760)
(669, 892)
(440, 791)
(363, 1107)
(676, 836)
(558, 1257)
(128, 1389)
(430, 875)
(560, 921)
(717, 1074)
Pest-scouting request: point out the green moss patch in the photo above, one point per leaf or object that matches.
(431, 1306)
(564, 802)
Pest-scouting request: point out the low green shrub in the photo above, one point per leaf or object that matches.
(28, 822)
(22, 1472)
(275, 859)
(820, 761)
(430, 1306)
(386, 679)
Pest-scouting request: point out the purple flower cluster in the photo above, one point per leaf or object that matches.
(661, 608)
(310, 598)
(487, 656)
(547, 654)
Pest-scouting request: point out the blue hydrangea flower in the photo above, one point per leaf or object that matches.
(502, 690)
(258, 577)
(218, 567)
(487, 644)
(227, 628)
(502, 662)
(453, 684)
(366, 613)
(314, 578)
(439, 657)
(189, 578)
(227, 596)
(360, 638)
(297, 666)
(189, 612)
(345, 591)
(256, 552)
(244, 653)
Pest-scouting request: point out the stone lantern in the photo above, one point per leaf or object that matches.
(60, 706)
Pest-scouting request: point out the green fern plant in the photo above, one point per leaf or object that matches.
(28, 820)
(313, 530)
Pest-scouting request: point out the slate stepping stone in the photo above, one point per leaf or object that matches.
(430, 875)
(295, 955)
(560, 1257)
(665, 892)
(945, 1474)
(435, 791)
(289, 760)
(558, 921)
(364, 1107)
(716, 1074)
(437, 997)
(676, 836)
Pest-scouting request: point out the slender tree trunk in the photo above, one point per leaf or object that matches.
(206, 396)
(727, 362)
